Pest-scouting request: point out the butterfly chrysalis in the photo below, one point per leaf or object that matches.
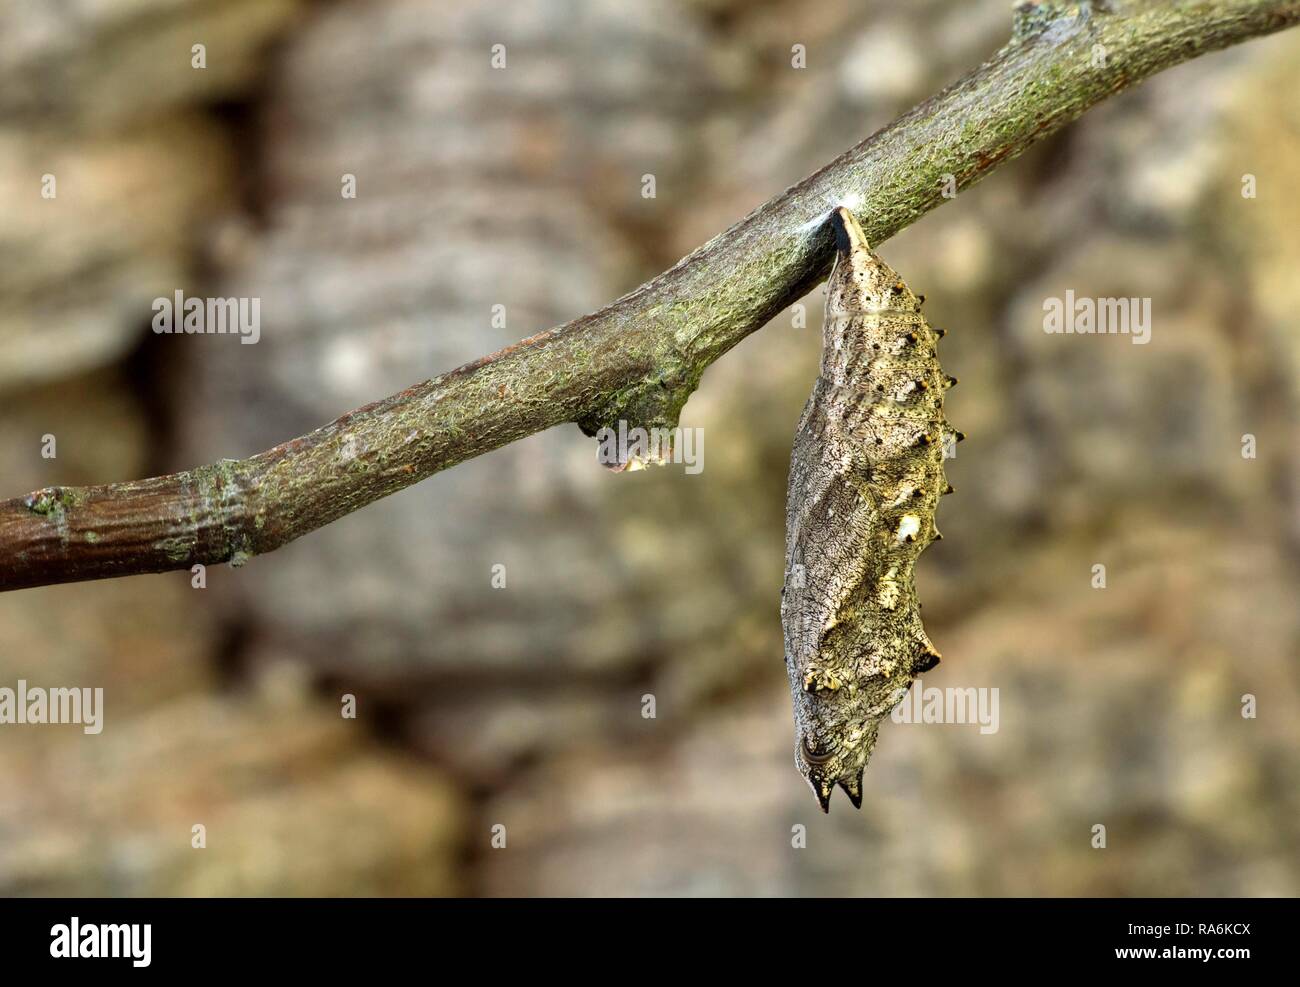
(866, 475)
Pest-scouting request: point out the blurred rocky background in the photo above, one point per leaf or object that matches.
(493, 202)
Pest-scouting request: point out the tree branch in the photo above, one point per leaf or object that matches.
(639, 358)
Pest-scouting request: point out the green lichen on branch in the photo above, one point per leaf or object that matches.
(52, 501)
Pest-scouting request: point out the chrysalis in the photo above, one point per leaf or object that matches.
(865, 477)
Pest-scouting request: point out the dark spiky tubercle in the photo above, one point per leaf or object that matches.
(866, 475)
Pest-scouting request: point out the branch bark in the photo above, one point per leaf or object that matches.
(639, 358)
